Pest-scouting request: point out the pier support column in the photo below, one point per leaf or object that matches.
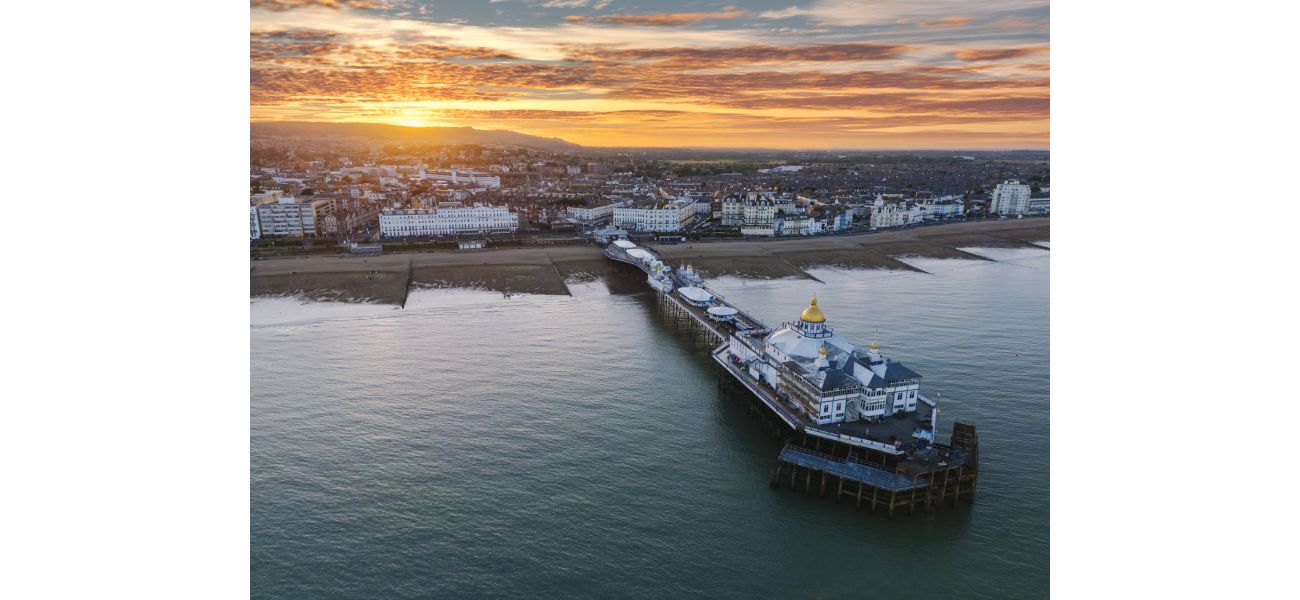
(943, 492)
(873, 506)
(929, 489)
(839, 495)
(875, 493)
(911, 502)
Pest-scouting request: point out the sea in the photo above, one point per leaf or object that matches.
(481, 445)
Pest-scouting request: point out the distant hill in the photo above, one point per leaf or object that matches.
(410, 135)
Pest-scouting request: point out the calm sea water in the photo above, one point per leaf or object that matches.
(473, 445)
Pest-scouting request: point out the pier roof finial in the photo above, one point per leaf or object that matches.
(874, 346)
(812, 314)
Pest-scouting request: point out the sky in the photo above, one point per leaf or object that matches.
(797, 74)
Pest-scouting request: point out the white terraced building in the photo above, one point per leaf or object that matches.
(448, 218)
(894, 214)
(827, 377)
(670, 216)
(596, 214)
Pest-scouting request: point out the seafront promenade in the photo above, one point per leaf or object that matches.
(387, 278)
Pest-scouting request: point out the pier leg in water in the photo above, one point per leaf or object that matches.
(873, 507)
(911, 502)
(875, 492)
(839, 495)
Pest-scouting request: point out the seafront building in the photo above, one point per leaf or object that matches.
(668, 216)
(946, 207)
(1010, 198)
(759, 218)
(894, 214)
(448, 218)
(597, 212)
(287, 216)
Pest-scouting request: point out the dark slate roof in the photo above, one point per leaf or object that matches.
(895, 371)
(875, 382)
(836, 378)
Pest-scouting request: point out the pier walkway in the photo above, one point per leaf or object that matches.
(741, 323)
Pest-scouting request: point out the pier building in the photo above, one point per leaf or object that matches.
(847, 414)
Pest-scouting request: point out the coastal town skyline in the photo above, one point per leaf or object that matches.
(826, 74)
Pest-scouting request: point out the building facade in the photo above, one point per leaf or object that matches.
(759, 218)
(1010, 198)
(670, 216)
(894, 214)
(292, 217)
(595, 214)
(947, 207)
(449, 218)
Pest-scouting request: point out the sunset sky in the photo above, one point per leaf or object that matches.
(838, 74)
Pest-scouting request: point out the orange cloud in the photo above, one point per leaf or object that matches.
(735, 55)
(947, 22)
(283, 5)
(669, 19)
(998, 53)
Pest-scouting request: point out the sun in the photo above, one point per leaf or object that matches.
(412, 123)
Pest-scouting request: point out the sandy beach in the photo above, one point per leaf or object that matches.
(387, 279)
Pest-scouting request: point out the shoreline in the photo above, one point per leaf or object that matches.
(387, 278)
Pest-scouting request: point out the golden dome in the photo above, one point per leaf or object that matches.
(822, 351)
(874, 346)
(812, 314)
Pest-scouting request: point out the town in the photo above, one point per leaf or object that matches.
(313, 195)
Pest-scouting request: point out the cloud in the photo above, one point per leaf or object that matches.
(441, 51)
(283, 5)
(947, 22)
(695, 58)
(564, 3)
(670, 19)
(998, 53)
(848, 13)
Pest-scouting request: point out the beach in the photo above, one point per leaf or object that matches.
(387, 278)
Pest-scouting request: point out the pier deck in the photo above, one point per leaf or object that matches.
(848, 469)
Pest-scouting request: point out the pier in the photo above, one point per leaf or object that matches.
(863, 460)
